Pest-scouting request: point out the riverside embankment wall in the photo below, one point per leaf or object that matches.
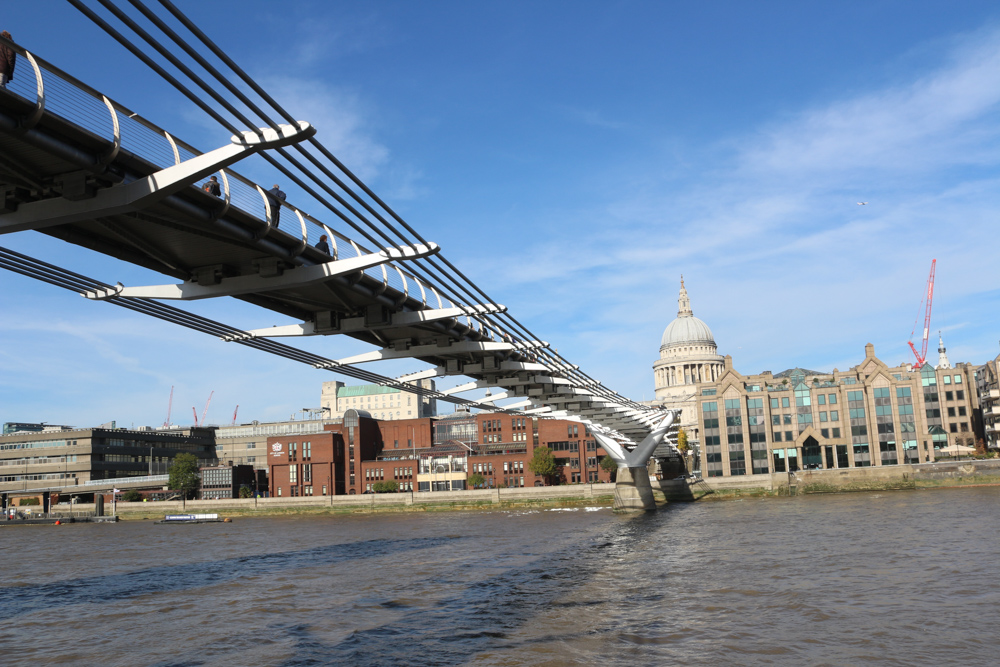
(924, 475)
(841, 480)
(377, 501)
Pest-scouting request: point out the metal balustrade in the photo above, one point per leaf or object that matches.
(118, 481)
(59, 93)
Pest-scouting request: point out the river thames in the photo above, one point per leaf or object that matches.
(895, 578)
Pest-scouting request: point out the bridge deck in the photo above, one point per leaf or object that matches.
(59, 155)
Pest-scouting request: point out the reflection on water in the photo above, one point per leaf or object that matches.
(896, 578)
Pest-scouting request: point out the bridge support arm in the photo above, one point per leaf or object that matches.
(357, 324)
(256, 283)
(146, 191)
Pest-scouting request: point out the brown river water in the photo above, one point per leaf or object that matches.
(895, 578)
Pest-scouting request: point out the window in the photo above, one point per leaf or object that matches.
(949, 396)
(774, 404)
(958, 379)
(775, 420)
(822, 416)
(953, 427)
(833, 399)
(820, 399)
(961, 411)
(777, 436)
(293, 473)
(788, 436)
(947, 379)
(784, 402)
(834, 415)
(960, 394)
(825, 432)
(951, 412)
(787, 419)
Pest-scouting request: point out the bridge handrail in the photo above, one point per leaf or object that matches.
(124, 480)
(238, 190)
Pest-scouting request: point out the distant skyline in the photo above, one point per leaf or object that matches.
(574, 159)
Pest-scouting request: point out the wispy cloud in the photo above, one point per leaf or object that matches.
(780, 259)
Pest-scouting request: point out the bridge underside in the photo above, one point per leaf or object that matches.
(111, 194)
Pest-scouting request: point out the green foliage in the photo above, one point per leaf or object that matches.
(388, 486)
(23, 502)
(476, 480)
(184, 474)
(245, 491)
(682, 440)
(132, 496)
(543, 463)
(608, 465)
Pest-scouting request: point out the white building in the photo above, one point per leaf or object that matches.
(688, 355)
(380, 402)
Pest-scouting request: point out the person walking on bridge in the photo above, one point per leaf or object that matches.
(323, 246)
(212, 187)
(7, 60)
(274, 198)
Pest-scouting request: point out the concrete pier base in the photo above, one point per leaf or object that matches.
(633, 492)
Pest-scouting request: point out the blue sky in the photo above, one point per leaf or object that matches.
(574, 159)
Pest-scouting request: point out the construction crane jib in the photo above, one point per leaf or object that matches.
(928, 299)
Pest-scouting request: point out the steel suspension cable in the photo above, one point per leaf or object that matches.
(441, 273)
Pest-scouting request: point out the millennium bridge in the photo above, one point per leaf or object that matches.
(81, 167)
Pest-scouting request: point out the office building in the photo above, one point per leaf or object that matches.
(382, 403)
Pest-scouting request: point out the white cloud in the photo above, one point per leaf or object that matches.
(781, 261)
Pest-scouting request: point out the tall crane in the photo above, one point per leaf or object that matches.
(209, 401)
(928, 298)
(170, 407)
(195, 411)
(234, 414)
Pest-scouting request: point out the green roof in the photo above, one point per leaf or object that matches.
(365, 390)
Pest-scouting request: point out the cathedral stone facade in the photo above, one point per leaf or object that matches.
(688, 356)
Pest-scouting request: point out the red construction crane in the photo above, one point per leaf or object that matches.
(209, 401)
(234, 414)
(170, 407)
(928, 298)
(195, 411)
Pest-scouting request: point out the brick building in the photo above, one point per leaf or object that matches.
(429, 454)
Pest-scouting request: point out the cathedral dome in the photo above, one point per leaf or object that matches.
(685, 330)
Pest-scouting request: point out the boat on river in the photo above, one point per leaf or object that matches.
(192, 518)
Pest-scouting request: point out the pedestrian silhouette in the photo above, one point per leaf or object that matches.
(274, 198)
(212, 187)
(322, 245)
(8, 58)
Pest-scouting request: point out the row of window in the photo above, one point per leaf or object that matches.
(38, 444)
(38, 460)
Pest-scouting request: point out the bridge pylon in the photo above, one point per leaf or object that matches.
(633, 492)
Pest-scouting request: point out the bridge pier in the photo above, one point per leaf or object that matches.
(633, 492)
